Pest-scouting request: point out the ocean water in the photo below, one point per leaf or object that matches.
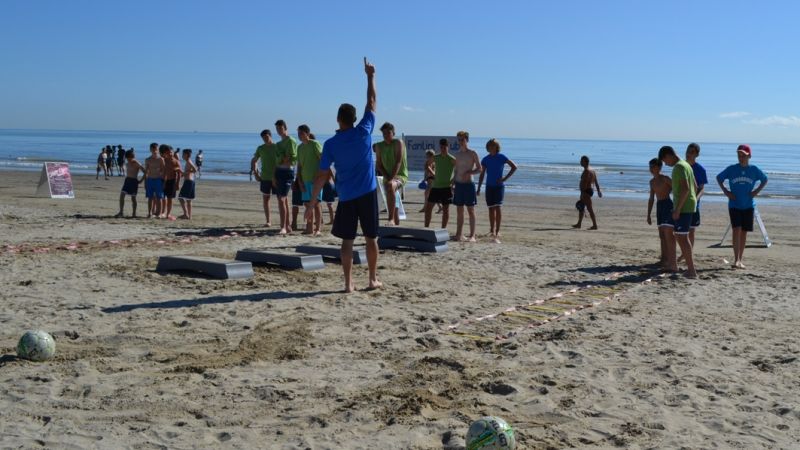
(544, 166)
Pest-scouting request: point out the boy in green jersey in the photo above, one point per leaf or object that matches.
(442, 184)
(308, 155)
(391, 164)
(684, 199)
(284, 173)
(267, 154)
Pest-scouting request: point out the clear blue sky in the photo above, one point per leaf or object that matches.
(678, 70)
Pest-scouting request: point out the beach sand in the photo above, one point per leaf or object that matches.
(284, 360)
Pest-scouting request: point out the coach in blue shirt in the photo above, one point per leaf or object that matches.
(350, 152)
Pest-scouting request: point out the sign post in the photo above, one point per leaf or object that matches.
(55, 181)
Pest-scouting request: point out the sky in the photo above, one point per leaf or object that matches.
(723, 71)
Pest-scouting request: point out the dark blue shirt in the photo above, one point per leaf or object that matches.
(494, 168)
(700, 176)
(350, 152)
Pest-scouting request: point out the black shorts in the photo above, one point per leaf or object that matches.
(349, 213)
(696, 217)
(741, 218)
(130, 186)
(187, 190)
(267, 188)
(328, 193)
(283, 181)
(170, 188)
(297, 195)
(494, 195)
(441, 195)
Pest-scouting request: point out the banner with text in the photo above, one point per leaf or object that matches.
(416, 146)
(56, 181)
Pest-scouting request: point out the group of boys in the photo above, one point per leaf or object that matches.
(276, 175)
(162, 174)
(679, 216)
(106, 161)
(449, 179)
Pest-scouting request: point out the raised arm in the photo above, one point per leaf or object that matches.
(371, 97)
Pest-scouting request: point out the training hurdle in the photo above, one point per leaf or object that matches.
(282, 259)
(331, 252)
(419, 239)
(213, 267)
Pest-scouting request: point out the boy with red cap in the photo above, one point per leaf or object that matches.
(741, 178)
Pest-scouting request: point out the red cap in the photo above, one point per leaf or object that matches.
(744, 148)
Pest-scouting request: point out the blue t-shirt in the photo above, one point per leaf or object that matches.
(700, 177)
(494, 168)
(351, 152)
(741, 181)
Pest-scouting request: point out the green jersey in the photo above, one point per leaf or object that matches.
(444, 170)
(267, 154)
(387, 158)
(287, 147)
(308, 156)
(683, 172)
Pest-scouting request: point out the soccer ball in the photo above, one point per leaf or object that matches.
(36, 345)
(490, 433)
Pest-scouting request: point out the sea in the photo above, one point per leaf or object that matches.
(545, 166)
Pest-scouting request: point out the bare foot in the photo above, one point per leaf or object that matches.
(688, 274)
(375, 284)
(183, 217)
(267, 225)
(283, 231)
(118, 215)
(496, 241)
(317, 233)
(421, 210)
(171, 217)
(307, 232)
(593, 227)
(471, 239)
(740, 265)
(457, 238)
(577, 225)
(349, 289)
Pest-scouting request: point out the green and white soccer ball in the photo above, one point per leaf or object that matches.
(36, 345)
(490, 433)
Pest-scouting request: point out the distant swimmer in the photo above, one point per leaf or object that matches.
(588, 178)
(492, 166)
(198, 162)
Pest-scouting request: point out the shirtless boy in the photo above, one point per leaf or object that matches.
(660, 188)
(172, 176)
(588, 178)
(187, 190)
(465, 194)
(153, 181)
(131, 184)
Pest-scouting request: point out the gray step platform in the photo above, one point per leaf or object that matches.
(414, 244)
(328, 251)
(420, 234)
(214, 267)
(283, 259)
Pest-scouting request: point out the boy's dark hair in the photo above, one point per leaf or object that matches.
(187, 151)
(429, 152)
(585, 157)
(129, 153)
(153, 145)
(656, 162)
(666, 151)
(346, 114)
(311, 136)
(693, 147)
(304, 128)
(387, 127)
(163, 148)
(280, 123)
(443, 141)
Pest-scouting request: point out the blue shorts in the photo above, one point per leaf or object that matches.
(329, 193)
(664, 213)
(130, 186)
(464, 194)
(267, 188)
(283, 181)
(309, 185)
(187, 190)
(350, 213)
(696, 217)
(684, 223)
(741, 218)
(154, 188)
(494, 195)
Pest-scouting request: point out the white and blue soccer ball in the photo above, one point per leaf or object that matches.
(491, 433)
(36, 345)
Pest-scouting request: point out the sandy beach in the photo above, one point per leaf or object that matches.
(286, 361)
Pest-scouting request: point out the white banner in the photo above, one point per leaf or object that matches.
(416, 146)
